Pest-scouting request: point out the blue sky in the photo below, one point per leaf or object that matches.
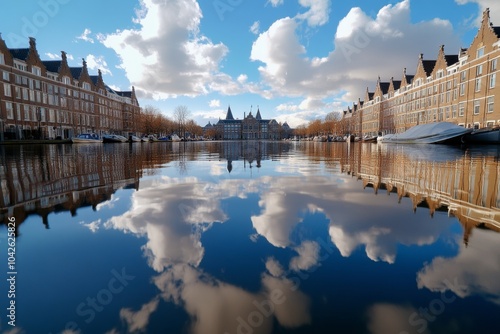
(297, 60)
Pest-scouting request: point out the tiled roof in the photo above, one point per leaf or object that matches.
(496, 30)
(76, 71)
(94, 78)
(21, 54)
(384, 86)
(52, 65)
(428, 66)
(397, 84)
(451, 59)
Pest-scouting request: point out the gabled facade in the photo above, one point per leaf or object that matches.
(249, 128)
(49, 99)
(459, 88)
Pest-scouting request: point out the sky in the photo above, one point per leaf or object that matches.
(295, 60)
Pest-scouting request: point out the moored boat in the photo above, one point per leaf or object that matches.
(483, 136)
(134, 139)
(86, 138)
(369, 139)
(114, 139)
(432, 133)
(175, 137)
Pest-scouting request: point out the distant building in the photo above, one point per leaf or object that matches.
(249, 128)
(49, 99)
(460, 88)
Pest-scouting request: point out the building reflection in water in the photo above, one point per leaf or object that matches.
(463, 182)
(42, 179)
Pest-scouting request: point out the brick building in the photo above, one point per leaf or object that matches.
(249, 128)
(50, 99)
(460, 88)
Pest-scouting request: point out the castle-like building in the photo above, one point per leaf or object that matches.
(49, 99)
(250, 128)
(461, 89)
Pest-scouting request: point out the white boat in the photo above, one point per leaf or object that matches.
(134, 139)
(114, 139)
(86, 138)
(432, 133)
(483, 136)
(319, 138)
(152, 138)
(175, 137)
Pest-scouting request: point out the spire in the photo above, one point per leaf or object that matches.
(258, 114)
(229, 114)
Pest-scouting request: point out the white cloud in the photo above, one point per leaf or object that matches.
(308, 256)
(138, 321)
(97, 63)
(218, 307)
(470, 272)
(254, 29)
(493, 5)
(214, 103)
(167, 56)
(390, 38)
(318, 12)
(52, 55)
(275, 3)
(93, 226)
(85, 36)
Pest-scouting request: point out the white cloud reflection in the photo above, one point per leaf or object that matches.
(474, 271)
(219, 307)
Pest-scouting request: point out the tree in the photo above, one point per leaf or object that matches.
(181, 114)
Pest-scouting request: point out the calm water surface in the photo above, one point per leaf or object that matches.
(249, 237)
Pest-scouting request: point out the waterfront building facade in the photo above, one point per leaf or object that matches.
(249, 128)
(460, 88)
(49, 99)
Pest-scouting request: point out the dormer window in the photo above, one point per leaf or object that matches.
(86, 86)
(66, 80)
(20, 66)
(36, 70)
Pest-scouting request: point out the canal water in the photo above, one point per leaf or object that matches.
(250, 237)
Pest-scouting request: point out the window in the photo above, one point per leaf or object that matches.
(461, 109)
(463, 76)
(493, 65)
(480, 52)
(491, 103)
(477, 105)
(36, 70)
(66, 80)
(26, 112)
(6, 89)
(462, 89)
(493, 79)
(479, 70)
(2, 59)
(478, 84)
(10, 110)
(6, 76)
(454, 111)
(86, 86)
